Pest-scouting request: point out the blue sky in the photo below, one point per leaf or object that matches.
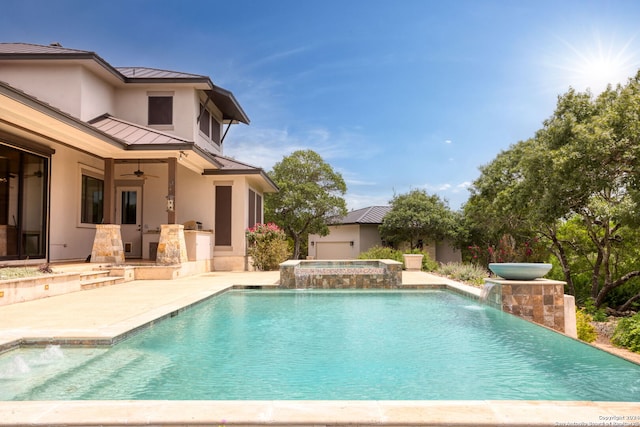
(394, 95)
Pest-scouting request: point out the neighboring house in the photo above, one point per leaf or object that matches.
(84, 145)
(358, 232)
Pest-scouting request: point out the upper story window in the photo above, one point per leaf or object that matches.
(209, 125)
(205, 119)
(160, 109)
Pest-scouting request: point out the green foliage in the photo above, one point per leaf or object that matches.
(382, 252)
(310, 197)
(464, 272)
(267, 245)
(385, 252)
(416, 216)
(627, 333)
(586, 331)
(575, 186)
(598, 314)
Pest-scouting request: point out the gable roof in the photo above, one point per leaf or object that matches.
(370, 215)
(222, 98)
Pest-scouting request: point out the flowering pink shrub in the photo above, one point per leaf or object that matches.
(267, 246)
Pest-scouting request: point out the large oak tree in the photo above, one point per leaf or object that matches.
(310, 197)
(576, 185)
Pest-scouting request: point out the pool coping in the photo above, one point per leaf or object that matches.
(285, 413)
(318, 413)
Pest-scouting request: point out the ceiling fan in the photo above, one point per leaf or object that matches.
(139, 173)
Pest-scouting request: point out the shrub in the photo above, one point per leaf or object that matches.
(464, 272)
(598, 314)
(586, 331)
(627, 333)
(267, 245)
(381, 252)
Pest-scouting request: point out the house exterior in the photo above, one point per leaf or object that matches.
(358, 232)
(90, 153)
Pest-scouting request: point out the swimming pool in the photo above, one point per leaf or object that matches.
(327, 345)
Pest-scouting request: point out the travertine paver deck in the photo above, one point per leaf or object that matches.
(113, 310)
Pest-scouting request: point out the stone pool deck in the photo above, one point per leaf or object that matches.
(108, 314)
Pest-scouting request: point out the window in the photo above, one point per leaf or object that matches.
(255, 208)
(209, 125)
(23, 204)
(129, 207)
(204, 121)
(92, 200)
(160, 110)
(223, 216)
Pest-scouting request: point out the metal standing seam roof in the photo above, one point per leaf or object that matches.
(222, 98)
(370, 215)
(28, 48)
(155, 73)
(132, 133)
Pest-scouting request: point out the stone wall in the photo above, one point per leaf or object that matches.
(540, 301)
(374, 274)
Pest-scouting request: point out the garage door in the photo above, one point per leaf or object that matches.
(333, 250)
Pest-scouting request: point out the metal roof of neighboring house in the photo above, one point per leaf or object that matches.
(222, 98)
(370, 215)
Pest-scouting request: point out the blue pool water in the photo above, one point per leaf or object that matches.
(327, 345)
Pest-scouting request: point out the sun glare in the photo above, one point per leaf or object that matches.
(593, 64)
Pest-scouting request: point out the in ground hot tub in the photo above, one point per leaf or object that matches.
(359, 274)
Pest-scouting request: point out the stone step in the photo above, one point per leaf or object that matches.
(93, 274)
(99, 282)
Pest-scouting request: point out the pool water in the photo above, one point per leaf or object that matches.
(328, 345)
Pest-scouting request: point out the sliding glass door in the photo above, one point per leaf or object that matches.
(23, 204)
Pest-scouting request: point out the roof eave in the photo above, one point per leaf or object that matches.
(231, 172)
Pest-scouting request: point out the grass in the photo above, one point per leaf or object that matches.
(8, 273)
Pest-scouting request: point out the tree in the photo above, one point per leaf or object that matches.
(311, 195)
(575, 184)
(416, 216)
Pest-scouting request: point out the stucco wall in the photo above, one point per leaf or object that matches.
(97, 96)
(57, 85)
(447, 253)
(338, 234)
(369, 237)
(132, 105)
(71, 88)
(68, 238)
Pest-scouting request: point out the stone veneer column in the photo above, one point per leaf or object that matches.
(107, 245)
(172, 248)
(540, 301)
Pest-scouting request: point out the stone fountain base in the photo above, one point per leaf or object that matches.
(540, 301)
